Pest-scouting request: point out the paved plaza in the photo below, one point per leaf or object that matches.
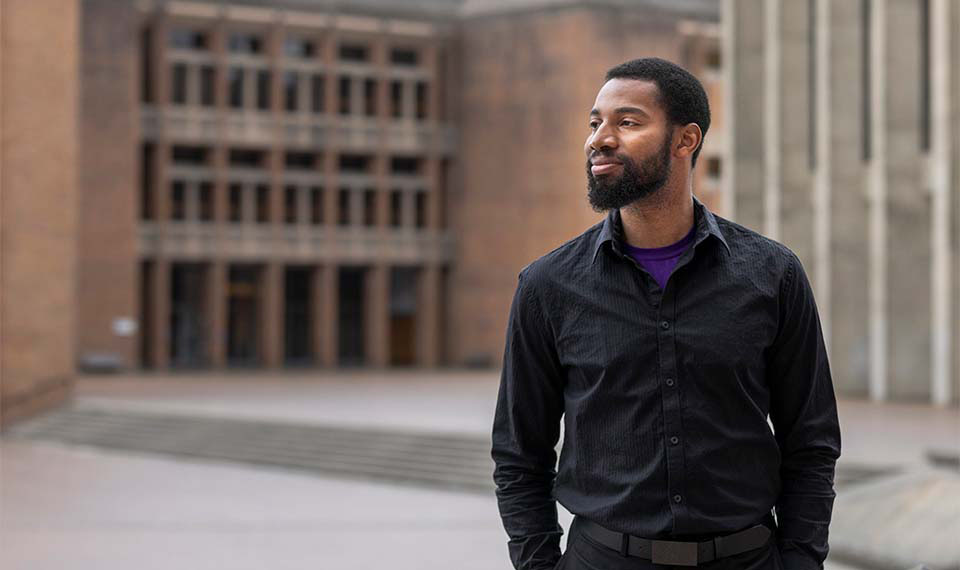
(110, 509)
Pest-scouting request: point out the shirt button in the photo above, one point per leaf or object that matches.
(677, 499)
(664, 325)
(674, 440)
(670, 382)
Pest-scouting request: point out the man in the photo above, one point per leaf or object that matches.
(664, 336)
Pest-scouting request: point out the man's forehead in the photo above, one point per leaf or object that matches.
(619, 93)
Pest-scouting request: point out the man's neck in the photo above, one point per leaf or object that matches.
(660, 220)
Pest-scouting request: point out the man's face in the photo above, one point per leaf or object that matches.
(628, 149)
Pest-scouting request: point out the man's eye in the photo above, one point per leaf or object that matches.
(594, 125)
(628, 123)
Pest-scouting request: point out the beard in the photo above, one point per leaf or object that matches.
(637, 181)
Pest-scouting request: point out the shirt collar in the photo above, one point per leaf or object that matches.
(704, 221)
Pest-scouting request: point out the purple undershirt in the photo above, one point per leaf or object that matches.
(660, 261)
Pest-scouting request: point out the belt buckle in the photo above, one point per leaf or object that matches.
(673, 553)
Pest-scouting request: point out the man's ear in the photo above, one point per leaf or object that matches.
(689, 140)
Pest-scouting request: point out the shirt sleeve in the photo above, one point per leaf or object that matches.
(803, 412)
(526, 429)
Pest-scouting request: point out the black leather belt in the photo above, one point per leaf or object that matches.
(674, 552)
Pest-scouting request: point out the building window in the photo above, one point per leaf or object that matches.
(396, 208)
(344, 95)
(299, 47)
(207, 81)
(316, 205)
(146, 181)
(246, 158)
(396, 99)
(421, 100)
(317, 95)
(300, 160)
(370, 97)
(405, 165)
(369, 207)
(713, 168)
(343, 207)
(178, 84)
(146, 65)
(354, 163)
(421, 209)
(178, 200)
(235, 82)
(404, 56)
(263, 203)
(263, 89)
(712, 58)
(236, 202)
(291, 85)
(354, 53)
(189, 155)
(244, 43)
(205, 197)
(182, 38)
(290, 204)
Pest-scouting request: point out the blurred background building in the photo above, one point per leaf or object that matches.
(275, 184)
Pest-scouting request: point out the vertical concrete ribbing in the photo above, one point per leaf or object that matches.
(747, 147)
(428, 314)
(217, 313)
(824, 152)
(771, 122)
(377, 303)
(878, 198)
(728, 55)
(941, 207)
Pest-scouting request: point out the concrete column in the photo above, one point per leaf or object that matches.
(428, 316)
(908, 208)
(878, 196)
(382, 186)
(217, 313)
(191, 190)
(729, 53)
(158, 49)
(940, 182)
(221, 203)
(823, 152)
(356, 96)
(849, 266)
(324, 318)
(248, 203)
(431, 62)
(271, 310)
(747, 159)
(160, 315)
(954, 57)
(408, 101)
(772, 105)
(193, 84)
(377, 304)
(331, 187)
(432, 175)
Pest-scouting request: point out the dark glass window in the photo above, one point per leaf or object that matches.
(421, 100)
(317, 95)
(354, 52)
(396, 208)
(146, 181)
(291, 86)
(713, 167)
(300, 160)
(344, 95)
(235, 82)
(316, 205)
(396, 99)
(207, 81)
(421, 209)
(405, 165)
(178, 83)
(404, 56)
(182, 38)
(369, 207)
(263, 204)
(343, 207)
(355, 163)
(146, 65)
(245, 43)
(191, 155)
(369, 97)
(178, 200)
(263, 89)
(290, 204)
(299, 47)
(236, 202)
(205, 197)
(246, 158)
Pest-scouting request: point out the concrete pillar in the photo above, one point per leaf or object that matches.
(408, 100)
(325, 295)
(271, 311)
(160, 314)
(878, 292)
(377, 305)
(849, 266)
(428, 316)
(217, 313)
(908, 209)
(728, 55)
(432, 175)
(954, 57)
(747, 158)
(773, 36)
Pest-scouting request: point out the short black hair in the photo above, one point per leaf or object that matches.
(680, 93)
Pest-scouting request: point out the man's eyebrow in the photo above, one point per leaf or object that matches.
(623, 111)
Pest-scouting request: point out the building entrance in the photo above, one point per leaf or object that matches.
(351, 346)
(403, 316)
(243, 302)
(296, 316)
(188, 331)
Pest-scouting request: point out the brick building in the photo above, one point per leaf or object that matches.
(275, 184)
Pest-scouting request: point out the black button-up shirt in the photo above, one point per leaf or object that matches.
(665, 395)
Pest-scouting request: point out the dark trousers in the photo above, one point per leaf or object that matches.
(584, 553)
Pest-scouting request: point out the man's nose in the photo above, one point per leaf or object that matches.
(602, 138)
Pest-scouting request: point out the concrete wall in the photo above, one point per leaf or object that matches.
(38, 148)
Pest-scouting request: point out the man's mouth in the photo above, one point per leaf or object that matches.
(604, 167)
